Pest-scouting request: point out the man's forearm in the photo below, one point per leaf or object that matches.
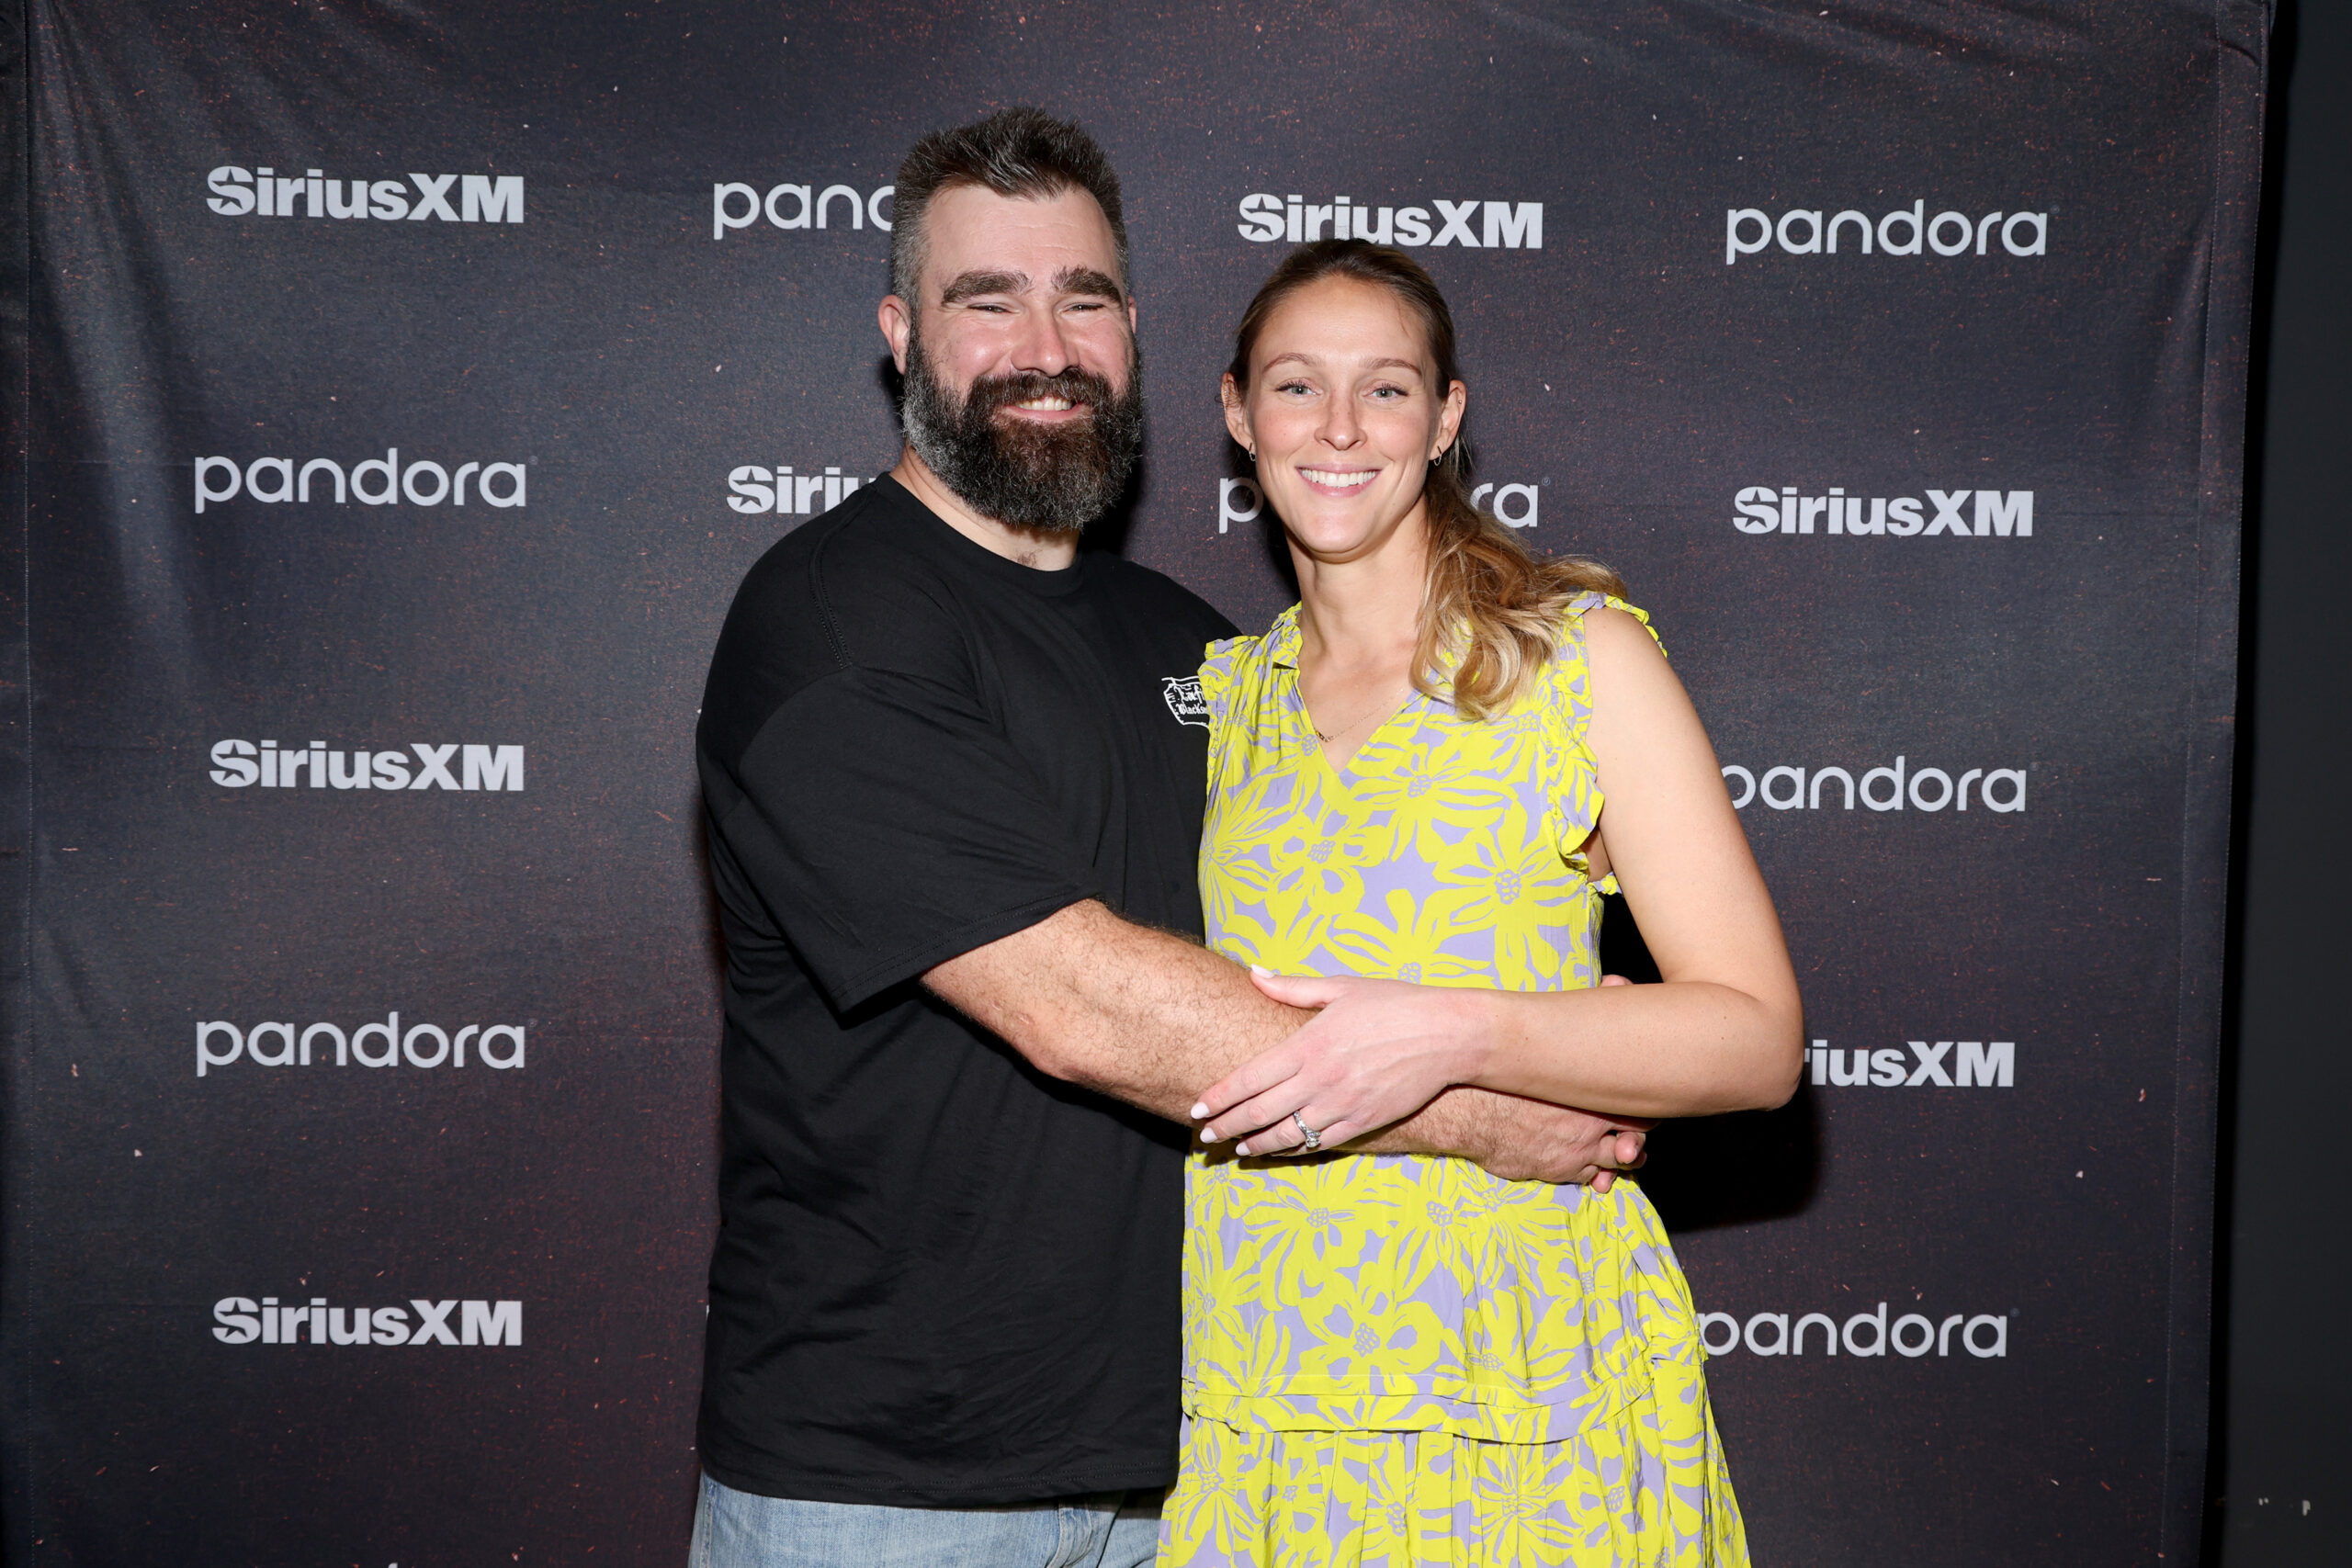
(1519, 1140)
(1458, 1122)
(1128, 1011)
(1152, 1018)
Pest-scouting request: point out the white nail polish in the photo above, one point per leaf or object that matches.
(1199, 1111)
(1260, 969)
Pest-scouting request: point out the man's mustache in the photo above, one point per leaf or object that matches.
(1081, 387)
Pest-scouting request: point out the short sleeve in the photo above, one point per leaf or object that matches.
(888, 827)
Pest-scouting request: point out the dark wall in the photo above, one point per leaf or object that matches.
(603, 305)
(2283, 1476)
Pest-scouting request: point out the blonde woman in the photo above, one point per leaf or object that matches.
(1422, 778)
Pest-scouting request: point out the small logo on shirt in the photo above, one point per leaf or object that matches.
(1183, 694)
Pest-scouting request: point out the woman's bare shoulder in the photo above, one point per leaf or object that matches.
(1615, 632)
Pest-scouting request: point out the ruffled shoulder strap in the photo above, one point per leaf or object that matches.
(1235, 672)
(1221, 667)
(1567, 713)
(1570, 670)
(1585, 603)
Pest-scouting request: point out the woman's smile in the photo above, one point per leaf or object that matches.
(1336, 481)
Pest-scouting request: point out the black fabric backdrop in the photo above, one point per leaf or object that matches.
(554, 276)
(2281, 1479)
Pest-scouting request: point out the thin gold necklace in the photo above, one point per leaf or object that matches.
(1320, 734)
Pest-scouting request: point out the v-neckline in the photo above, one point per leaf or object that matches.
(1343, 772)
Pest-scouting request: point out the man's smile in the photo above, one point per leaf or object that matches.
(1049, 410)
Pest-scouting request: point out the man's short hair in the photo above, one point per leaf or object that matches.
(1015, 152)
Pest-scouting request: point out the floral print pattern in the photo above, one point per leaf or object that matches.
(1399, 1361)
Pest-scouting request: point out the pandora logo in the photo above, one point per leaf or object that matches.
(734, 205)
(220, 1044)
(1512, 505)
(373, 481)
(1803, 231)
(1984, 1335)
(1787, 787)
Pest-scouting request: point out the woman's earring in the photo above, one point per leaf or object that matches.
(1253, 454)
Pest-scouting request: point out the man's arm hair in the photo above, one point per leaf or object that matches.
(1152, 1018)
(1139, 1014)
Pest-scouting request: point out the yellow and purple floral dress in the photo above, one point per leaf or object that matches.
(1399, 1360)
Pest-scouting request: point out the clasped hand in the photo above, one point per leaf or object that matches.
(1376, 1052)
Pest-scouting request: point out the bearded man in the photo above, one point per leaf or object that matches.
(953, 773)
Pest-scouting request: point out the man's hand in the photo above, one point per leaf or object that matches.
(1535, 1141)
(1521, 1140)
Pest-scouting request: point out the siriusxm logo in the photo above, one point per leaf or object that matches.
(1804, 232)
(240, 1320)
(1996, 513)
(793, 206)
(376, 482)
(1947, 1063)
(384, 1044)
(265, 192)
(1984, 1335)
(1514, 506)
(240, 764)
(1787, 788)
(782, 491)
(1473, 225)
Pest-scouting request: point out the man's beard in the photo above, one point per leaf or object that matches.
(1053, 478)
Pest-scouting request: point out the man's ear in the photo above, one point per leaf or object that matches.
(897, 328)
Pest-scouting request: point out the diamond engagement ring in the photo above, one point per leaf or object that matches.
(1314, 1138)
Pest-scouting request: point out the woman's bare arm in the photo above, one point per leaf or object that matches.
(1724, 1032)
(1143, 1016)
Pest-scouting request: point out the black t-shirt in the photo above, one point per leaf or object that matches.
(942, 1277)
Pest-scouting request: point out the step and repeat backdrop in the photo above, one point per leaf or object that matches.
(410, 386)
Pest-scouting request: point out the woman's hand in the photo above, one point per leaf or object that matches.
(1376, 1052)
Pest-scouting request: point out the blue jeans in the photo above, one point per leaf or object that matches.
(742, 1529)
